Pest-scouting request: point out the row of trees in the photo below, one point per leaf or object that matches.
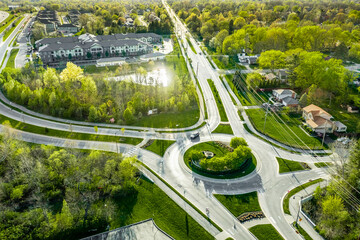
(336, 218)
(321, 79)
(50, 193)
(75, 95)
(230, 27)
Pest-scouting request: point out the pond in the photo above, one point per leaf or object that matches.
(161, 76)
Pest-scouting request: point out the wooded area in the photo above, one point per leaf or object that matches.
(73, 94)
(229, 27)
(332, 208)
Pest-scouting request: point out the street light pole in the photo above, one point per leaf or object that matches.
(117, 149)
(298, 213)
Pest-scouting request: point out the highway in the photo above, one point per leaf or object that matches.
(270, 185)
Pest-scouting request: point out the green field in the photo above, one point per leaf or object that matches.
(323, 164)
(288, 165)
(265, 232)
(224, 128)
(230, 63)
(67, 134)
(279, 131)
(159, 146)
(11, 61)
(2, 62)
(243, 94)
(7, 34)
(170, 120)
(9, 20)
(218, 101)
(239, 204)
(351, 120)
(296, 190)
(149, 201)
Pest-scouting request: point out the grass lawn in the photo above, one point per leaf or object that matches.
(7, 34)
(351, 120)
(277, 130)
(302, 231)
(159, 146)
(2, 62)
(11, 61)
(266, 140)
(211, 63)
(265, 232)
(191, 46)
(218, 101)
(231, 64)
(323, 164)
(243, 94)
(65, 134)
(239, 204)
(296, 190)
(8, 21)
(149, 201)
(223, 128)
(207, 146)
(170, 120)
(288, 165)
(218, 151)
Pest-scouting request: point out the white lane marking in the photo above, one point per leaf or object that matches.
(272, 220)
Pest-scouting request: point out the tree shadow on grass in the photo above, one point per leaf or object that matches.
(125, 201)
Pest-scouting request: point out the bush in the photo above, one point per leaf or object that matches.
(237, 141)
(230, 161)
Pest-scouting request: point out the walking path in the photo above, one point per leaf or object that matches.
(294, 208)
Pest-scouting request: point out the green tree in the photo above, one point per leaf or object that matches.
(128, 115)
(253, 80)
(64, 220)
(334, 218)
(272, 59)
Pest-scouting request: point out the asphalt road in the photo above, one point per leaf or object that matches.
(3, 16)
(270, 185)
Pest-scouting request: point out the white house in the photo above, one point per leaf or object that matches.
(280, 94)
(244, 59)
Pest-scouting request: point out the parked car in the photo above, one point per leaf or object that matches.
(194, 135)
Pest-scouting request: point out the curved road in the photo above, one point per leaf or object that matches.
(270, 185)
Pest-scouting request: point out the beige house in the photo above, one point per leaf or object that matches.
(318, 119)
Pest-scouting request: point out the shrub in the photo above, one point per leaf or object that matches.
(230, 161)
(237, 141)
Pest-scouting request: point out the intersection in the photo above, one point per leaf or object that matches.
(270, 185)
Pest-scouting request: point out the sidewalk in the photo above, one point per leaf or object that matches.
(294, 208)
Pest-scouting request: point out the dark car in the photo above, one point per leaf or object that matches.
(194, 135)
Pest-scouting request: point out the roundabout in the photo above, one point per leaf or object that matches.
(220, 160)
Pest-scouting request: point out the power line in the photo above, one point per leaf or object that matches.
(348, 195)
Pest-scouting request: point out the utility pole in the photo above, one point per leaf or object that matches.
(322, 144)
(297, 217)
(23, 118)
(116, 142)
(267, 109)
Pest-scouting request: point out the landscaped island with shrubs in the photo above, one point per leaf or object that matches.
(219, 159)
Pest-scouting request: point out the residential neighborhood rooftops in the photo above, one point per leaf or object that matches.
(290, 101)
(67, 25)
(283, 91)
(318, 110)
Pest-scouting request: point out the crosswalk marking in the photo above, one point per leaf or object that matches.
(131, 152)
